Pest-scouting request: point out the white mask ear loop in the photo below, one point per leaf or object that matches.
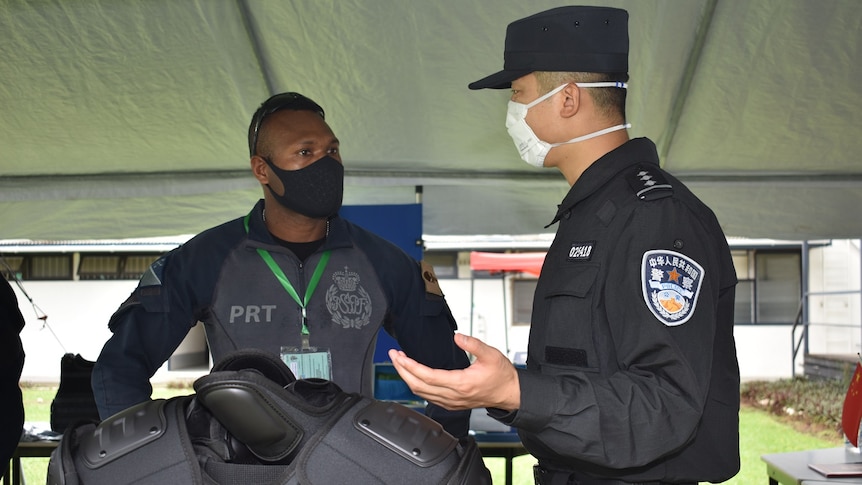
(580, 85)
(613, 84)
(594, 134)
(546, 96)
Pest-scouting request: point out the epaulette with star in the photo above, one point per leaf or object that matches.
(649, 183)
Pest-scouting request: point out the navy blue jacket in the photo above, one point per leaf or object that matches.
(218, 278)
(631, 370)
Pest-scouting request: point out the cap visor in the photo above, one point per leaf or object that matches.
(499, 80)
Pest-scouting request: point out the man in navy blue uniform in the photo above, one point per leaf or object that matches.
(631, 372)
(291, 277)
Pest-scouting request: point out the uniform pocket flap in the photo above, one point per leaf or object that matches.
(573, 280)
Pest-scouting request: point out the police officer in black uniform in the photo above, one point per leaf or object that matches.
(632, 375)
(11, 364)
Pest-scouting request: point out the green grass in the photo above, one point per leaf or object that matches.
(760, 433)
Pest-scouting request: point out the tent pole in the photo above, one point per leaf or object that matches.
(505, 314)
(472, 301)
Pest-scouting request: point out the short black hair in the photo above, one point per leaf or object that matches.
(277, 102)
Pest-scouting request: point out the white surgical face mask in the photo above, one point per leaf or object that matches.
(530, 147)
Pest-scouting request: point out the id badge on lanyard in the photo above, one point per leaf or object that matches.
(308, 362)
(305, 362)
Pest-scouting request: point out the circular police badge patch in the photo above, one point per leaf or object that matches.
(671, 283)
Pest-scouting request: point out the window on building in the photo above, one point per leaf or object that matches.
(445, 263)
(522, 300)
(779, 286)
(11, 266)
(114, 266)
(135, 265)
(744, 305)
(743, 311)
(769, 288)
(98, 267)
(51, 267)
(90, 266)
(39, 266)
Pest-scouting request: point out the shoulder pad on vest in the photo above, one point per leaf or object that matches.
(123, 433)
(394, 426)
(649, 183)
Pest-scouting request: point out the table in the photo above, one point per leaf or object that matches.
(501, 445)
(792, 468)
(27, 449)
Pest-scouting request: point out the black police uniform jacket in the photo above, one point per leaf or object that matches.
(632, 370)
(219, 278)
(11, 365)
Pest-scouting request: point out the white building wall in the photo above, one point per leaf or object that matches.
(78, 313)
(764, 352)
(77, 323)
(490, 318)
(835, 318)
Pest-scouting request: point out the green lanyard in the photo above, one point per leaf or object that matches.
(282, 278)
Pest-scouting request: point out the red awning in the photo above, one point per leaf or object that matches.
(523, 262)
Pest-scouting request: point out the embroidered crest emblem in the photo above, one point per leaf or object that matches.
(347, 301)
(671, 284)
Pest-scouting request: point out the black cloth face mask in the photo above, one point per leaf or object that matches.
(314, 191)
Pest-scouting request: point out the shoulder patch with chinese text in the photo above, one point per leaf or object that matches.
(671, 283)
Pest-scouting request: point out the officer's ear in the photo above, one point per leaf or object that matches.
(259, 169)
(571, 95)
